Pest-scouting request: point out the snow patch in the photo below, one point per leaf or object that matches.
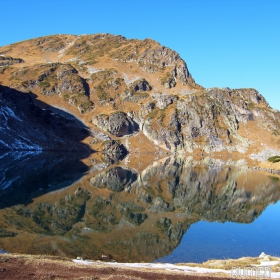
(6, 184)
(5, 144)
(166, 266)
(93, 70)
(7, 113)
(20, 154)
(12, 114)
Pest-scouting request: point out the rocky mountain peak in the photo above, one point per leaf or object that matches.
(128, 87)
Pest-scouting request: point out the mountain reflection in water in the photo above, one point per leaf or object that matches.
(119, 212)
(214, 240)
(27, 174)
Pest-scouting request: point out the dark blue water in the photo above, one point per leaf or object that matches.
(206, 240)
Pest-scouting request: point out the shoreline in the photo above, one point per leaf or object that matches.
(23, 266)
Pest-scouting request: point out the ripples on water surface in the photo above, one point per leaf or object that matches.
(172, 211)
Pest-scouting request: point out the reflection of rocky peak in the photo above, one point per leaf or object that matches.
(214, 194)
(138, 218)
(113, 151)
(29, 174)
(115, 179)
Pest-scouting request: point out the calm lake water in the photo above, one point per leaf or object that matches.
(172, 211)
(205, 240)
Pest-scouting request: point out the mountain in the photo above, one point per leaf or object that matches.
(120, 89)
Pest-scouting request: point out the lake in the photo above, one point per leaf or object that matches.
(173, 210)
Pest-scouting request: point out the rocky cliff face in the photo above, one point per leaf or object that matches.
(126, 87)
(209, 121)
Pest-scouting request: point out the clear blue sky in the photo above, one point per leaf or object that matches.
(234, 43)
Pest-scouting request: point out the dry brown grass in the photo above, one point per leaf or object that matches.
(48, 267)
(228, 264)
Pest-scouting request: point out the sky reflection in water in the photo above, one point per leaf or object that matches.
(213, 240)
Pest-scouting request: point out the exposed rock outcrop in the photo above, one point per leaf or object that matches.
(163, 99)
(151, 57)
(140, 85)
(56, 79)
(168, 81)
(209, 122)
(117, 123)
(8, 60)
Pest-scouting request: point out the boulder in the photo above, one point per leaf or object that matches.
(117, 123)
(140, 85)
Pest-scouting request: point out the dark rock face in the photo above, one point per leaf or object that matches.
(137, 91)
(118, 123)
(112, 146)
(25, 126)
(8, 60)
(136, 218)
(170, 83)
(140, 85)
(116, 179)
